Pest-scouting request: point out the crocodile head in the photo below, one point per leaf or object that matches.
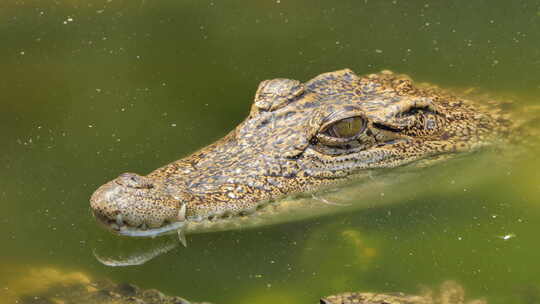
(299, 137)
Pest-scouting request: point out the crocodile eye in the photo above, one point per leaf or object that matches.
(346, 128)
(342, 133)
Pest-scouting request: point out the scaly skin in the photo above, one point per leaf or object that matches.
(300, 138)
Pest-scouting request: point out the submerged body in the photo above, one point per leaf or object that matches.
(299, 138)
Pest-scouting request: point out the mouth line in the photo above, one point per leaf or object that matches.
(151, 232)
(122, 228)
(138, 231)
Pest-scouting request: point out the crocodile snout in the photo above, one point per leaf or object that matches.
(134, 201)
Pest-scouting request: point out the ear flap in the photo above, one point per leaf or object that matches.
(275, 93)
(400, 115)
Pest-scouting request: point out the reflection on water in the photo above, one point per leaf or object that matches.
(94, 88)
(139, 255)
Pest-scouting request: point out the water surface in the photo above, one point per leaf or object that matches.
(90, 89)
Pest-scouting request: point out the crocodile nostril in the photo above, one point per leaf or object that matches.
(134, 180)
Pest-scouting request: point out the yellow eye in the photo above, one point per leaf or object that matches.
(346, 128)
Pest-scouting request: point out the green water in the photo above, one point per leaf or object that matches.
(90, 89)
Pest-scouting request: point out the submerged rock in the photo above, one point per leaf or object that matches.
(450, 293)
(53, 286)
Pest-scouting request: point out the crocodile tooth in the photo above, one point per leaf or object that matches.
(182, 213)
(182, 237)
(119, 220)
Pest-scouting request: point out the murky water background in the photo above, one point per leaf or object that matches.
(90, 89)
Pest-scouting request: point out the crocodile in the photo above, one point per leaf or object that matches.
(301, 138)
